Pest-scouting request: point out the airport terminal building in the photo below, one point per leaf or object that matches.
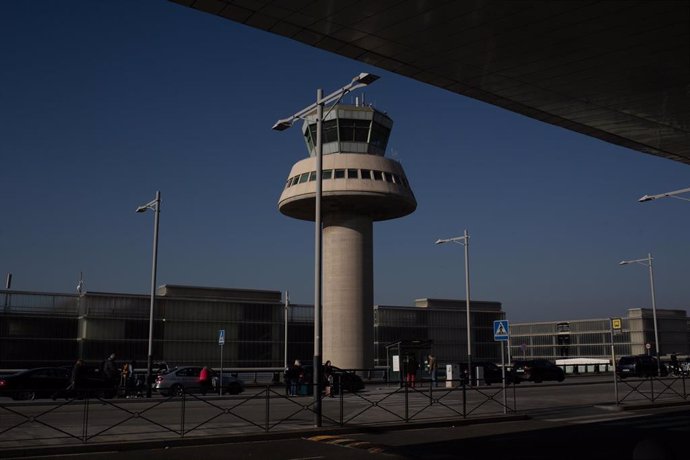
(591, 338)
(39, 329)
(55, 329)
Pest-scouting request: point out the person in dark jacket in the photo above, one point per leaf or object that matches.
(292, 377)
(75, 382)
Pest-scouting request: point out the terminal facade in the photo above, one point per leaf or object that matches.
(47, 329)
(38, 329)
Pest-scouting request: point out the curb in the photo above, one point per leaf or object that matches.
(622, 407)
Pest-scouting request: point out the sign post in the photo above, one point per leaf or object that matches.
(221, 342)
(502, 334)
(616, 328)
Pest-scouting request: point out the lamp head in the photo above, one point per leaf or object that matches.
(439, 242)
(142, 208)
(366, 78)
(281, 125)
(623, 262)
(646, 198)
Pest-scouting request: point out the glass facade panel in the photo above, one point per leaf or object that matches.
(339, 173)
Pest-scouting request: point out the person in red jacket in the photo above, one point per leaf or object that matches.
(204, 380)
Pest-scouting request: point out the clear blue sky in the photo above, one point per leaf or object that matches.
(103, 103)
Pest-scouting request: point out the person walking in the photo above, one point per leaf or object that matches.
(205, 380)
(75, 381)
(293, 376)
(126, 377)
(411, 371)
(433, 367)
(328, 379)
(111, 374)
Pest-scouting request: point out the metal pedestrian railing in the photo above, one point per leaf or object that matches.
(667, 388)
(269, 408)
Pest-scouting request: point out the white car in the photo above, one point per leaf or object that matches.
(183, 379)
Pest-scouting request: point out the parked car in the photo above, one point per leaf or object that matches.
(41, 382)
(536, 370)
(347, 379)
(46, 382)
(183, 379)
(639, 366)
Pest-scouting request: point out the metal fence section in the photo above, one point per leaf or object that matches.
(667, 389)
(268, 408)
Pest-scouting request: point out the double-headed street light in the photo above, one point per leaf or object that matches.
(155, 206)
(363, 79)
(465, 241)
(647, 261)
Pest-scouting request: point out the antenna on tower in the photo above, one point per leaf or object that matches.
(80, 284)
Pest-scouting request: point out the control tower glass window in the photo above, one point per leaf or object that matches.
(329, 132)
(354, 130)
(379, 136)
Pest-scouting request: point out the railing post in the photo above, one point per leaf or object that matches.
(85, 421)
(268, 400)
(182, 412)
(685, 395)
(431, 396)
(464, 399)
(406, 403)
(651, 386)
(340, 395)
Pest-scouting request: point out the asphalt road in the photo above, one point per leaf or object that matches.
(582, 433)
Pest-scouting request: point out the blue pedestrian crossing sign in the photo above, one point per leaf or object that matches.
(501, 330)
(221, 337)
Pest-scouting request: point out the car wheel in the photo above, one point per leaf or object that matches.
(561, 377)
(234, 388)
(176, 390)
(27, 395)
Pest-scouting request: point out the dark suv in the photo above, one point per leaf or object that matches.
(639, 366)
(536, 370)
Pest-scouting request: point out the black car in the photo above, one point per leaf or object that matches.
(639, 366)
(46, 382)
(41, 382)
(347, 379)
(536, 370)
(492, 373)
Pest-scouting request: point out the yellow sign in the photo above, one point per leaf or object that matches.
(616, 323)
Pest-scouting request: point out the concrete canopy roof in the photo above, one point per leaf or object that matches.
(618, 71)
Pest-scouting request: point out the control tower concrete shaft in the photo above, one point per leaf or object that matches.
(359, 186)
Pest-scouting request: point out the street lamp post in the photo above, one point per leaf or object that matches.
(465, 241)
(155, 206)
(647, 261)
(357, 82)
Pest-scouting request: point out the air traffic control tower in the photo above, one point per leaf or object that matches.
(359, 186)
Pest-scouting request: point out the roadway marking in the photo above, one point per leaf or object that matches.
(592, 418)
(350, 443)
